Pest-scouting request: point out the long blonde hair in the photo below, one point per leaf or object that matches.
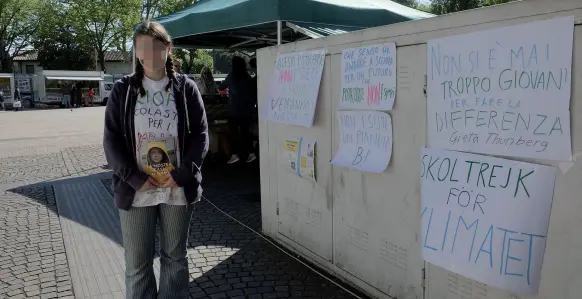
(206, 77)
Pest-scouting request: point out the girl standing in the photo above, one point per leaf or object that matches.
(141, 200)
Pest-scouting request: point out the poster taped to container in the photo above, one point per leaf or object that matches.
(365, 140)
(299, 157)
(504, 91)
(486, 218)
(369, 77)
(294, 87)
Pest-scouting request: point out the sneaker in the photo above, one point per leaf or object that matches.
(251, 158)
(233, 159)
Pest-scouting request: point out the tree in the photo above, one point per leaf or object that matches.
(150, 9)
(104, 24)
(192, 60)
(57, 43)
(19, 20)
(409, 3)
(449, 6)
(62, 52)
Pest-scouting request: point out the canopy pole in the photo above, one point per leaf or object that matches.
(279, 32)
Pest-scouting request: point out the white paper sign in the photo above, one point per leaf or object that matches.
(503, 91)
(294, 87)
(365, 140)
(486, 218)
(369, 77)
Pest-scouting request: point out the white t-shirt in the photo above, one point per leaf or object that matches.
(155, 116)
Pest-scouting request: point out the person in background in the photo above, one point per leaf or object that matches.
(2, 100)
(85, 97)
(17, 95)
(79, 94)
(255, 96)
(91, 95)
(74, 95)
(143, 201)
(177, 66)
(254, 84)
(206, 83)
(66, 92)
(240, 109)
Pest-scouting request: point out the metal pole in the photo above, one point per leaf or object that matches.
(279, 32)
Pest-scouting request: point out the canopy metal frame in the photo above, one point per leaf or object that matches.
(272, 38)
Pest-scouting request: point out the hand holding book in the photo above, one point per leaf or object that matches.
(150, 184)
(170, 183)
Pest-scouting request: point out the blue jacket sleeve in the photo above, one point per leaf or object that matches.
(119, 158)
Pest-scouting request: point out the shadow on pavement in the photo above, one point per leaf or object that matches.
(226, 260)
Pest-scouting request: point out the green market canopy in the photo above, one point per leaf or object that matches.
(253, 24)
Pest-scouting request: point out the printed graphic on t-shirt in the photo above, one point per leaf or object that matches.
(158, 109)
(157, 157)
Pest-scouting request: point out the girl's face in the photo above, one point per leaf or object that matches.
(157, 155)
(151, 53)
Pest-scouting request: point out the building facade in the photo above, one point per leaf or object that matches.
(28, 64)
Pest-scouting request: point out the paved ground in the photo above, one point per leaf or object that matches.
(59, 233)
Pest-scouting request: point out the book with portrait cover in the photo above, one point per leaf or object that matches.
(159, 156)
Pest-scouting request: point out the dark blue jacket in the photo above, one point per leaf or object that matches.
(240, 95)
(120, 145)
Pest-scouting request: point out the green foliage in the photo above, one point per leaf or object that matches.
(449, 6)
(154, 8)
(423, 7)
(409, 3)
(203, 58)
(104, 24)
(192, 61)
(57, 43)
(18, 24)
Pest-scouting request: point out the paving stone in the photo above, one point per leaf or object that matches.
(26, 214)
(33, 293)
(226, 260)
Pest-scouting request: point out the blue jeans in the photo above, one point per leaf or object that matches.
(67, 101)
(138, 226)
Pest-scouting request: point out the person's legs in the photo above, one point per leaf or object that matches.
(233, 130)
(138, 227)
(174, 277)
(247, 140)
(67, 101)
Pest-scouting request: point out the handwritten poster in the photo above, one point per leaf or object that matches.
(294, 87)
(486, 218)
(369, 77)
(504, 91)
(365, 140)
(299, 157)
